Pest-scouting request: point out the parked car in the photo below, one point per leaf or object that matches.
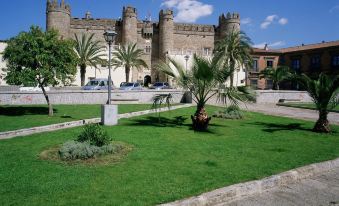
(122, 84)
(131, 86)
(160, 85)
(33, 89)
(97, 84)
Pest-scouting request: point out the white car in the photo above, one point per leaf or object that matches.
(33, 89)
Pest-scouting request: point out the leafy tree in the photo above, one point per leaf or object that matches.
(129, 57)
(277, 75)
(40, 58)
(325, 94)
(90, 53)
(202, 81)
(234, 52)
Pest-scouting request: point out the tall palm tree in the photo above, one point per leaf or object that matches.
(203, 79)
(90, 53)
(277, 75)
(325, 94)
(234, 52)
(129, 57)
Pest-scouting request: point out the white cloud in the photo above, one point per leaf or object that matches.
(335, 8)
(246, 21)
(188, 10)
(272, 19)
(283, 21)
(271, 45)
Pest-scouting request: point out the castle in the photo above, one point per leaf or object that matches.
(157, 39)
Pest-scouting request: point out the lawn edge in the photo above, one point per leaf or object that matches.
(242, 190)
(78, 123)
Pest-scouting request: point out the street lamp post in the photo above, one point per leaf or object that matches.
(109, 37)
(186, 59)
(109, 112)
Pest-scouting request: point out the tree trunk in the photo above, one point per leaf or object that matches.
(127, 71)
(322, 125)
(200, 119)
(83, 74)
(50, 107)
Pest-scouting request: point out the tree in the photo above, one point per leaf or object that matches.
(89, 52)
(41, 59)
(277, 75)
(203, 79)
(325, 94)
(129, 57)
(234, 52)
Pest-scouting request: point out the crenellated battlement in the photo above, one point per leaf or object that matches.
(54, 5)
(229, 17)
(129, 11)
(166, 15)
(194, 27)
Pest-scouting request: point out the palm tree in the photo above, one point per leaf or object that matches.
(129, 57)
(324, 91)
(202, 81)
(90, 53)
(234, 52)
(277, 75)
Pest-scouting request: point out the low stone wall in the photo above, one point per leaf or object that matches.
(84, 97)
(273, 96)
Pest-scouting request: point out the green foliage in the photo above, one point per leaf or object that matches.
(90, 53)
(230, 112)
(94, 135)
(277, 75)
(130, 57)
(39, 58)
(73, 150)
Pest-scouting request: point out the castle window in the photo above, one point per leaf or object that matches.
(315, 61)
(207, 51)
(269, 63)
(335, 60)
(255, 65)
(148, 49)
(254, 83)
(296, 64)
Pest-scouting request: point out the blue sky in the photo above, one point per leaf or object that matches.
(278, 23)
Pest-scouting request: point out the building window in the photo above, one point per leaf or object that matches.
(254, 83)
(148, 49)
(269, 63)
(269, 84)
(315, 61)
(296, 64)
(255, 65)
(207, 51)
(335, 61)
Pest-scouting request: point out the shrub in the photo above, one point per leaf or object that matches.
(73, 150)
(95, 135)
(231, 112)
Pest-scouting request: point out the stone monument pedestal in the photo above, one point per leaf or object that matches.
(109, 114)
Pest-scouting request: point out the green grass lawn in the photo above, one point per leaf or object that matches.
(19, 117)
(306, 106)
(167, 162)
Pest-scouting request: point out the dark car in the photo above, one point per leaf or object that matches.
(160, 85)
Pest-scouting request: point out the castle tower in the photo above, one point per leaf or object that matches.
(229, 23)
(166, 29)
(58, 17)
(129, 25)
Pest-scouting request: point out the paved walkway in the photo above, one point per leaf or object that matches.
(321, 190)
(297, 113)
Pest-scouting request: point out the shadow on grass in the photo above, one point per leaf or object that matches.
(178, 121)
(20, 111)
(274, 127)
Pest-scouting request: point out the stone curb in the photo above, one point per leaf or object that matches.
(241, 190)
(59, 126)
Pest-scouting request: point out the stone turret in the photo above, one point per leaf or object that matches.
(129, 25)
(166, 30)
(58, 17)
(229, 23)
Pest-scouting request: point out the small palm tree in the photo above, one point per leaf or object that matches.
(324, 91)
(129, 57)
(203, 81)
(90, 53)
(277, 75)
(234, 52)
